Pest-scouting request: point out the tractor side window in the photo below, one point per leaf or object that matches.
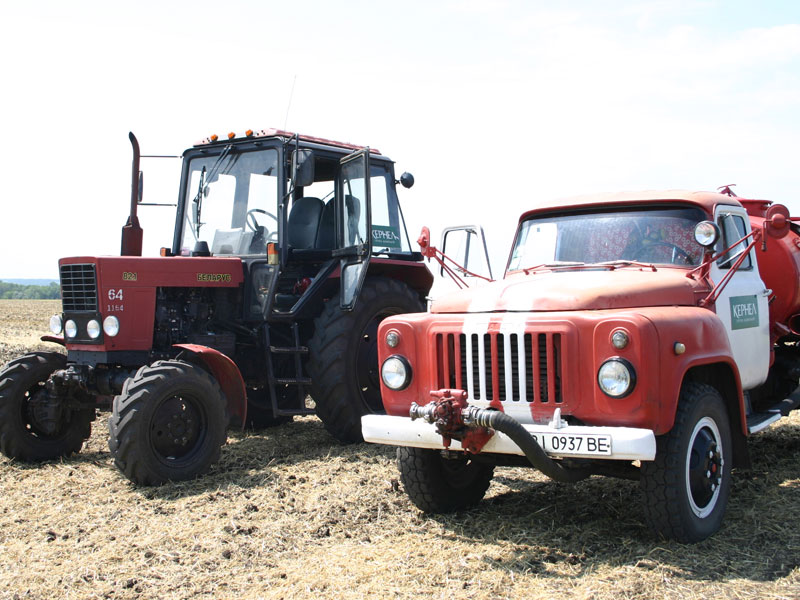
(388, 228)
(733, 230)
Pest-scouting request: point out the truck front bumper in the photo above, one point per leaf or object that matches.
(566, 441)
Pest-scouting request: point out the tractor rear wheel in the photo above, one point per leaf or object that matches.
(27, 432)
(168, 424)
(344, 355)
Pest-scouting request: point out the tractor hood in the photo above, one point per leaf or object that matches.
(575, 289)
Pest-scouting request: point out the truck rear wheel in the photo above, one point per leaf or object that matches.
(24, 434)
(437, 484)
(344, 355)
(168, 424)
(686, 487)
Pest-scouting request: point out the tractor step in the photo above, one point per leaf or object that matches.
(761, 420)
(288, 350)
(294, 381)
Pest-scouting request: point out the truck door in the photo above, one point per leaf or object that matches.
(353, 224)
(742, 305)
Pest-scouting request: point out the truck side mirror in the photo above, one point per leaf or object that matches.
(302, 167)
(141, 186)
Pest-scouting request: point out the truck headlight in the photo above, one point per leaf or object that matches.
(56, 324)
(111, 325)
(616, 377)
(71, 328)
(396, 373)
(93, 329)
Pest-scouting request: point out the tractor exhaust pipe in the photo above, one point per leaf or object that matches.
(132, 233)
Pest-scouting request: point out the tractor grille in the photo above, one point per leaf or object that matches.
(502, 367)
(78, 288)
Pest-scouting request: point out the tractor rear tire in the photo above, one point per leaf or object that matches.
(168, 424)
(22, 436)
(344, 355)
(437, 484)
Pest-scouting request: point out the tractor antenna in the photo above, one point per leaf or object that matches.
(289, 105)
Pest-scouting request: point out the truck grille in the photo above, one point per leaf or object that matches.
(502, 367)
(78, 288)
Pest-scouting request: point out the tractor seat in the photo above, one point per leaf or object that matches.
(311, 231)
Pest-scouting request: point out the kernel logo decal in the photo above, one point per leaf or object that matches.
(129, 276)
(213, 277)
(744, 312)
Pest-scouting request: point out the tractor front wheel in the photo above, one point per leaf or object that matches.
(32, 429)
(168, 424)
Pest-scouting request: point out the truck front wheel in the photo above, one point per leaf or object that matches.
(32, 430)
(168, 424)
(437, 484)
(686, 487)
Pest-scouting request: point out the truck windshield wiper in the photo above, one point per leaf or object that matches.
(558, 264)
(622, 262)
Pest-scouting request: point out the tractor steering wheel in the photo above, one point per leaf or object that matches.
(252, 224)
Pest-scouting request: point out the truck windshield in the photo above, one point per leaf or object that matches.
(658, 236)
(231, 202)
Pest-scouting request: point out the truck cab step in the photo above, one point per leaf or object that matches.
(288, 350)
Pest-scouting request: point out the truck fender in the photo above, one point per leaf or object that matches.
(227, 375)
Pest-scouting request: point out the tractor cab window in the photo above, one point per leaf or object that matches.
(389, 233)
(231, 202)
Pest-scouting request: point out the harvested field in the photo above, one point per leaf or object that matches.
(290, 513)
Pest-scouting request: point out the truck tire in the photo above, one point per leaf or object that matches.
(686, 487)
(22, 436)
(168, 424)
(436, 484)
(344, 355)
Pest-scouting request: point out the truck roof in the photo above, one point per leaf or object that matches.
(706, 200)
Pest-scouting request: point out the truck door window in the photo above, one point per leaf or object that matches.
(733, 229)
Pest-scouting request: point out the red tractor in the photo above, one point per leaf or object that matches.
(288, 251)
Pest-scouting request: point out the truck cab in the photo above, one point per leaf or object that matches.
(631, 336)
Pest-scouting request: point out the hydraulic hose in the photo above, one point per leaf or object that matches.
(500, 421)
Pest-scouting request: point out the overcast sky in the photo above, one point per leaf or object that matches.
(494, 106)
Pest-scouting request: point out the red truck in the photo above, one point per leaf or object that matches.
(637, 335)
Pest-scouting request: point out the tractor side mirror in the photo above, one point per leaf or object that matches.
(302, 167)
(406, 180)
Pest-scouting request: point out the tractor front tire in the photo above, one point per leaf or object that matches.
(168, 424)
(344, 355)
(23, 435)
(437, 484)
(686, 487)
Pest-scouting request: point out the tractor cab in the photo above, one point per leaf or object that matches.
(297, 210)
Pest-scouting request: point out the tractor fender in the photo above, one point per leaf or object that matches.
(227, 375)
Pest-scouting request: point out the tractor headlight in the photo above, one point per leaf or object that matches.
(396, 373)
(93, 329)
(56, 324)
(111, 325)
(616, 377)
(71, 328)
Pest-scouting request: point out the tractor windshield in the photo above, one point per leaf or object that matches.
(232, 202)
(659, 236)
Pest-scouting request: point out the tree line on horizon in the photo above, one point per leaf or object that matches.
(16, 291)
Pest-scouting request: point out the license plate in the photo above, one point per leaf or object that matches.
(578, 444)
